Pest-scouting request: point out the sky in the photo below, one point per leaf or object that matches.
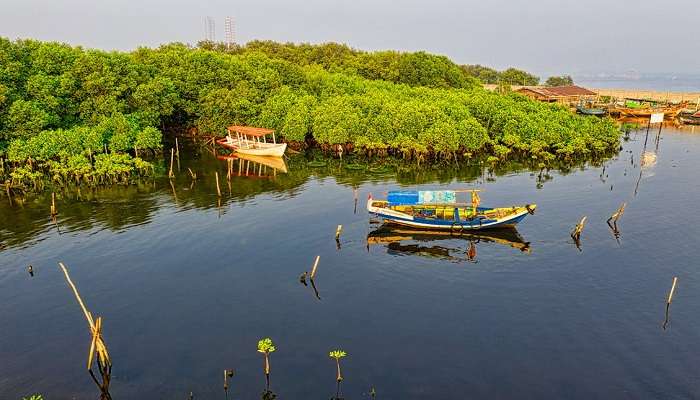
(546, 37)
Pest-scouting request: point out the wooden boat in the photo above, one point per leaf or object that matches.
(645, 112)
(392, 238)
(690, 117)
(690, 120)
(591, 110)
(439, 210)
(252, 141)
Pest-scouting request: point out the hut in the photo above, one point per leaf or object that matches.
(570, 94)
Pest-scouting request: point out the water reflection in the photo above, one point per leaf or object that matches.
(455, 247)
(24, 219)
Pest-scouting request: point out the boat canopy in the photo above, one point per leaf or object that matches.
(250, 130)
(415, 197)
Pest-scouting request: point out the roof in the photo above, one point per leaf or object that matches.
(250, 130)
(559, 91)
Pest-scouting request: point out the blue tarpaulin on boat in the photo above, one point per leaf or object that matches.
(413, 197)
(408, 197)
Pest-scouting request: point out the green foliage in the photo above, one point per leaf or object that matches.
(62, 107)
(148, 138)
(563, 80)
(484, 74)
(415, 69)
(517, 77)
(336, 121)
(266, 346)
(24, 119)
(337, 354)
(34, 397)
(511, 76)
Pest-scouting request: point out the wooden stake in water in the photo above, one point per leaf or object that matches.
(97, 345)
(228, 373)
(578, 229)
(338, 230)
(313, 269)
(218, 188)
(171, 174)
(673, 290)
(669, 300)
(54, 212)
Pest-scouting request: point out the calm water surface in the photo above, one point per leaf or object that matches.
(187, 286)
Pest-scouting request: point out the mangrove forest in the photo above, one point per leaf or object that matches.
(85, 116)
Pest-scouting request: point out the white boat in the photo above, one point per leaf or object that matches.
(253, 141)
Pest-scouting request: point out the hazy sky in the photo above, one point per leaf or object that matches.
(543, 36)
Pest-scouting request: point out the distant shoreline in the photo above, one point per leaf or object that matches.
(646, 94)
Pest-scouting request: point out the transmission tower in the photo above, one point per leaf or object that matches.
(209, 29)
(230, 33)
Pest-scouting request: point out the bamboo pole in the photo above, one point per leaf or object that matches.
(177, 148)
(218, 188)
(673, 290)
(313, 269)
(87, 314)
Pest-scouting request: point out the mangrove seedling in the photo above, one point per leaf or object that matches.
(265, 346)
(337, 355)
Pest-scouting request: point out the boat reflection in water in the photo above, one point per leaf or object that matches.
(254, 166)
(452, 246)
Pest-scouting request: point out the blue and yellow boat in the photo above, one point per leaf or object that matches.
(440, 210)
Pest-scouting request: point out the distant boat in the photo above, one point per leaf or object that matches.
(439, 210)
(635, 109)
(690, 119)
(591, 110)
(253, 141)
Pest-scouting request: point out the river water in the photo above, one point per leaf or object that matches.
(187, 283)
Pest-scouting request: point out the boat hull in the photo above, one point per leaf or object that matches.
(591, 111)
(690, 120)
(394, 217)
(257, 149)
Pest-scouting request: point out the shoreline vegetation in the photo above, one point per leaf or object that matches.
(94, 117)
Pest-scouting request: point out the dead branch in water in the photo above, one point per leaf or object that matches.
(97, 345)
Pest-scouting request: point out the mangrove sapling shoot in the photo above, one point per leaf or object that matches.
(265, 346)
(337, 355)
